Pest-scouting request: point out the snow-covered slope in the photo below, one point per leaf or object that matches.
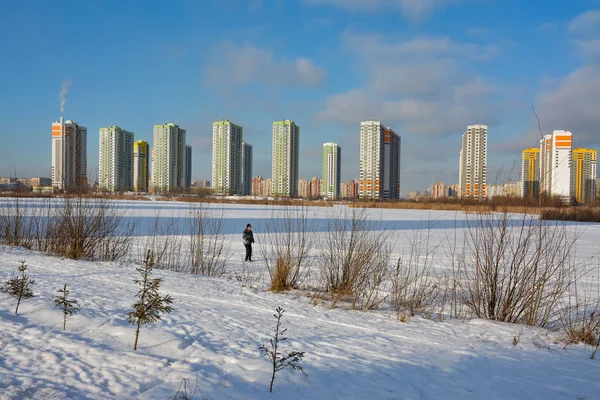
(212, 338)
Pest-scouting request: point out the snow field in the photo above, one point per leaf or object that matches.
(216, 326)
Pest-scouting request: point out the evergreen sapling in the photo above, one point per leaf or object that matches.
(278, 360)
(68, 307)
(19, 287)
(150, 304)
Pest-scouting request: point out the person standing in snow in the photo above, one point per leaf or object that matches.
(248, 238)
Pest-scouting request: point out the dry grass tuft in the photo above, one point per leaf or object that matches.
(281, 276)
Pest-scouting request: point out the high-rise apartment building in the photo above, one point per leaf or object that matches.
(473, 162)
(438, 190)
(379, 161)
(227, 158)
(246, 169)
(545, 164)
(343, 190)
(141, 166)
(115, 169)
(261, 187)
(330, 180)
(304, 189)
(583, 175)
(286, 142)
(530, 172)
(257, 185)
(69, 155)
(168, 158)
(315, 188)
(555, 164)
(188, 167)
(453, 190)
(352, 189)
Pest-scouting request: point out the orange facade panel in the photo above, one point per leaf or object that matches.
(558, 138)
(563, 144)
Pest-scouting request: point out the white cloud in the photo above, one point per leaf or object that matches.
(589, 48)
(444, 116)
(423, 47)
(414, 10)
(586, 27)
(230, 64)
(570, 102)
(585, 23)
(420, 85)
(573, 105)
(422, 79)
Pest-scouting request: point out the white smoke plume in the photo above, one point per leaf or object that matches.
(64, 89)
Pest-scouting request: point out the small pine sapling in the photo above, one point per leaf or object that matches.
(150, 304)
(278, 360)
(68, 307)
(19, 287)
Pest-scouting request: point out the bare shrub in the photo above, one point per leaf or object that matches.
(415, 287)
(46, 235)
(454, 288)
(87, 228)
(74, 227)
(579, 316)
(286, 243)
(593, 356)
(209, 250)
(516, 267)
(17, 222)
(372, 294)
(355, 258)
(166, 244)
(248, 275)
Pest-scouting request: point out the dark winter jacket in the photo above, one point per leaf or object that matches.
(247, 237)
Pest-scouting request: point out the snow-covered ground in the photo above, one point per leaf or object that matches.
(212, 336)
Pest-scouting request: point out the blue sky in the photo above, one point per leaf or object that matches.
(427, 68)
